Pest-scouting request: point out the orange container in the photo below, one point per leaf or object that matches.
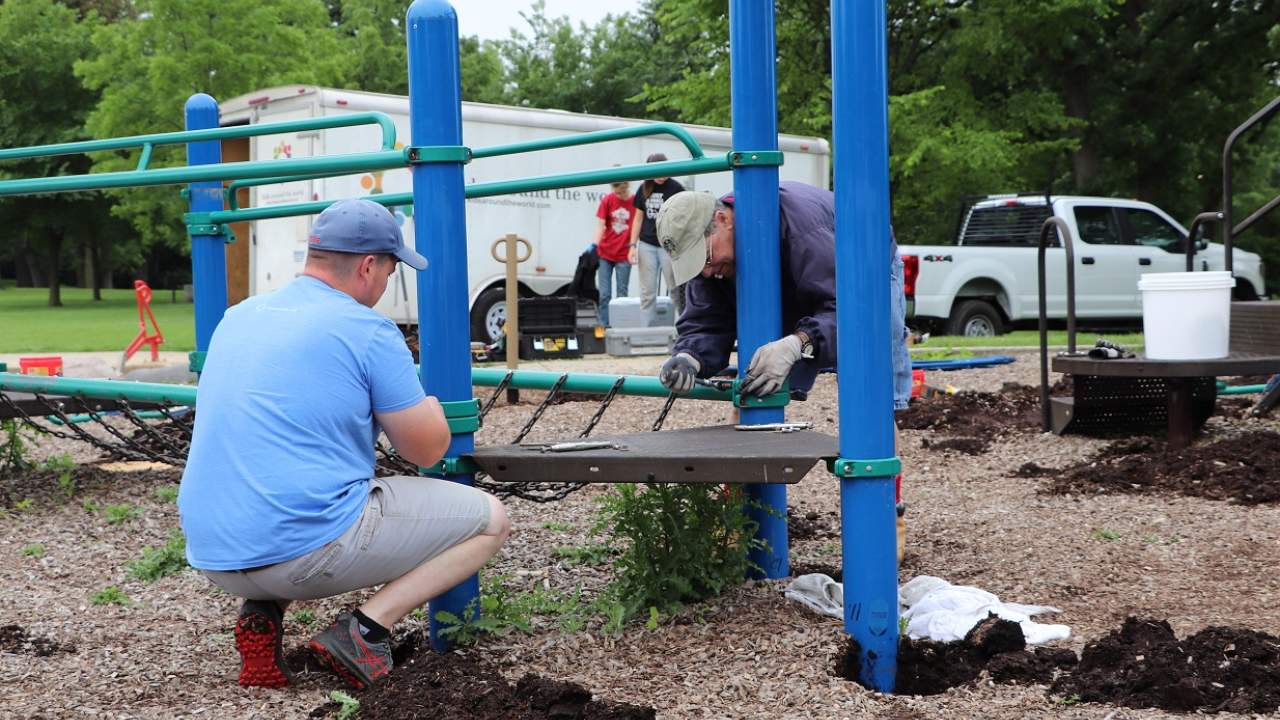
(917, 383)
(51, 365)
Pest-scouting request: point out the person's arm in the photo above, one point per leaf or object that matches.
(813, 274)
(709, 324)
(420, 434)
(632, 250)
(599, 231)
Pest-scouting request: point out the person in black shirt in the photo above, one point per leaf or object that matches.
(645, 252)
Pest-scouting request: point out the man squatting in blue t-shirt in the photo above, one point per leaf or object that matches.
(697, 231)
(279, 500)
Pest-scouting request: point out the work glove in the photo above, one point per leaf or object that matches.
(679, 372)
(770, 366)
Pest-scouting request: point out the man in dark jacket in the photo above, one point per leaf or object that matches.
(698, 232)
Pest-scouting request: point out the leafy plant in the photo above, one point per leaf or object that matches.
(1106, 534)
(156, 563)
(558, 526)
(110, 595)
(116, 514)
(61, 461)
(590, 555)
(306, 616)
(24, 504)
(34, 550)
(89, 506)
(683, 543)
(13, 454)
(66, 484)
(166, 493)
(349, 706)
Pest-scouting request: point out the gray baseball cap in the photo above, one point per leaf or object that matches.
(364, 227)
(681, 223)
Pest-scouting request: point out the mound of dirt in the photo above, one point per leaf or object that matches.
(926, 667)
(14, 639)
(460, 687)
(1016, 408)
(1240, 469)
(811, 525)
(1144, 665)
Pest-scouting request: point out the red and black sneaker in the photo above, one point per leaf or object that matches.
(344, 649)
(259, 635)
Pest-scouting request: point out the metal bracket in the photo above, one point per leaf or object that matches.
(463, 416)
(781, 398)
(844, 468)
(195, 361)
(198, 224)
(453, 466)
(438, 154)
(741, 158)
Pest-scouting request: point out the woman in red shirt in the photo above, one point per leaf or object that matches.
(613, 244)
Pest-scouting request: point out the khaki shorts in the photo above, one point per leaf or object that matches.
(406, 522)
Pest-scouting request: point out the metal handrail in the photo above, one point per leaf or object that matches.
(98, 181)
(1228, 189)
(1065, 232)
(1201, 219)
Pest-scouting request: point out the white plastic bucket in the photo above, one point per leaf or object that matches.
(1186, 315)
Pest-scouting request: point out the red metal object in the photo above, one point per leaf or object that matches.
(910, 271)
(143, 292)
(917, 383)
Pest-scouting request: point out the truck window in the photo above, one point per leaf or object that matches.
(1150, 230)
(1098, 226)
(1005, 225)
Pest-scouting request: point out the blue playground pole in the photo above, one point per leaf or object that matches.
(860, 114)
(208, 252)
(440, 232)
(756, 246)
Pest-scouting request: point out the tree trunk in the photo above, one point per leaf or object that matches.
(1084, 161)
(55, 253)
(95, 270)
(22, 263)
(82, 262)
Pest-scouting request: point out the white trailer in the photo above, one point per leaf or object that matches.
(559, 224)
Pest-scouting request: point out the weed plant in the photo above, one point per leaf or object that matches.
(110, 595)
(156, 563)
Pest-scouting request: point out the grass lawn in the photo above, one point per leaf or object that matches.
(28, 324)
(1029, 338)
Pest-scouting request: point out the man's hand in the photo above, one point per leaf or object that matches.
(771, 365)
(679, 372)
(633, 256)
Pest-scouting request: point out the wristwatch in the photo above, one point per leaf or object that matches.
(806, 345)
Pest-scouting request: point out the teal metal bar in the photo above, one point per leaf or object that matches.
(182, 137)
(597, 136)
(106, 389)
(145, 159)
(640, 385)
(697, 166)
(86, 417)
(339, 164)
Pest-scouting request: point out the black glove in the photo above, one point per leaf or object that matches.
(679, 372)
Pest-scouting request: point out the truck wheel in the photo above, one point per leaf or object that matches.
(975, 318)
(488, 314)
(1243, 291)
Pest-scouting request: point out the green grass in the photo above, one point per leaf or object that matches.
(82, 325)
(1031, 339)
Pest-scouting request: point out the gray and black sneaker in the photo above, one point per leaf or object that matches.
(344, 649)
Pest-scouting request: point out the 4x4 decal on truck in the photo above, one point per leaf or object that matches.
(937, 258)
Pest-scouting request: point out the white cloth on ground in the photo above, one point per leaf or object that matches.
(934, 608)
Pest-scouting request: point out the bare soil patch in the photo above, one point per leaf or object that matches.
(1144, 665)
(973, 420)
(14, 639)
(1243, 469)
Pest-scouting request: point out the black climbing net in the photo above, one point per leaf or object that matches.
(130, 431)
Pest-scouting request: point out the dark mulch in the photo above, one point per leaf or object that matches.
(16, 640)
(457, 686)
(1144, 665)
(926, 667)
(1016, 408)
(811, 525)
(1240, 469)
(835, 572)
(962, 445)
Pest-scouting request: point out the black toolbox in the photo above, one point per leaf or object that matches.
(548, 328)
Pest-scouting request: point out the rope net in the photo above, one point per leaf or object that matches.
(159, 433)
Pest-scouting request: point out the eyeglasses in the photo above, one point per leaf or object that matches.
(710, 258)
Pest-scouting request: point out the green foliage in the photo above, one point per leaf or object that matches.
(349, 706)
(34, 550)
(66, 484)
(682, 543)
(90, 506)
(14, 453)
(166, 493)
(116, 514)
(110, 595)
(61, 461)
(1106, 534)
(156, 563)
(305, 616)
(24, 504)
(591, 554)
(558, 526)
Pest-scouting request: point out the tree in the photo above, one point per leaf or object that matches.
(146, 69)
(41, 103)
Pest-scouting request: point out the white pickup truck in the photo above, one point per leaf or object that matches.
(987, 280)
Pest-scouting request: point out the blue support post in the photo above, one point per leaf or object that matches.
(440, 222)
(756, 245)
(208, 252)
(860, 117)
